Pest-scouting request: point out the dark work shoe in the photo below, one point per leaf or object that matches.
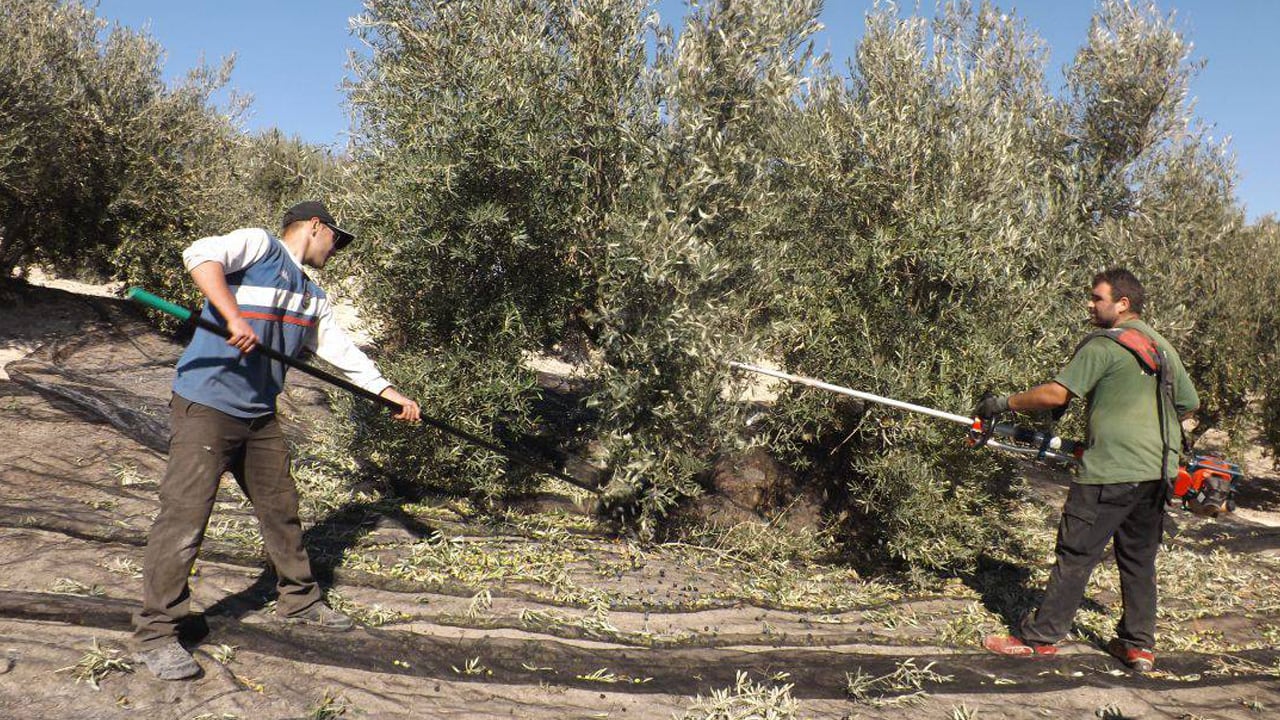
(169, 661)
(1010, 645)
(1136, 659)
(321, 616)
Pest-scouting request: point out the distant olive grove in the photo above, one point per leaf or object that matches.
(569, 176)
(105, 170)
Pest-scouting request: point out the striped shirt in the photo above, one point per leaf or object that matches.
(290, 314)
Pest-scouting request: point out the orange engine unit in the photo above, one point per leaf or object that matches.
(1207, 485)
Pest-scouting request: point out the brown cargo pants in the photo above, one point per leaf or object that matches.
(203, 445)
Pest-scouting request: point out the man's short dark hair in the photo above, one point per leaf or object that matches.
(1123, 284)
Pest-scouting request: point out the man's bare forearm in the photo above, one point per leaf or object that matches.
(212, 281)
(1041, 397)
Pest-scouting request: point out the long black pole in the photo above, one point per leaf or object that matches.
(186, 315)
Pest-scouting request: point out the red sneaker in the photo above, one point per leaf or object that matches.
(1136, 659)
(1010, 645)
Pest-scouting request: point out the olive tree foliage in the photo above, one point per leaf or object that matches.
(691, 275)
(1160, 193)
(1255, 288)
(276, 170)
(561, 174)
(951, 212)
(494, 142)
(933, 239)
(68, 98)
(105, 169)
(531, 177)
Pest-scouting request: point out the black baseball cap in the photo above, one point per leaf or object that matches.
(316, 209)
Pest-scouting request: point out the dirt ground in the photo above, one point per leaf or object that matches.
(527, 618)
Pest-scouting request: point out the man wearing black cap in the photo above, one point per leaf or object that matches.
(223, 418)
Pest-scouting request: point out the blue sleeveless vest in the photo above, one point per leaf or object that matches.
(282, 305)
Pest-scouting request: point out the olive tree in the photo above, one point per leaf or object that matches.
(494, 143)
(562, 174)
(106, 169)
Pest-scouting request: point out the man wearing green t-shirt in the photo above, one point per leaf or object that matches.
(1119, 493)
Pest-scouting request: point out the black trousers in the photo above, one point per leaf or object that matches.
(1132, 514)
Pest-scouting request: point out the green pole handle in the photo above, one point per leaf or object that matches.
(158, 303)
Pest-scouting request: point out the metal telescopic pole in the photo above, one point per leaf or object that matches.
(801, 380)
(1051, 445)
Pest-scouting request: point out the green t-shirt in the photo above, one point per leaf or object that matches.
(1124, 439)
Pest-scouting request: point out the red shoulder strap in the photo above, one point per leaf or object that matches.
(1135, 341)
(1143, 348)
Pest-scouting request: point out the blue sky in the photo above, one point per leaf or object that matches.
(291, 56)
